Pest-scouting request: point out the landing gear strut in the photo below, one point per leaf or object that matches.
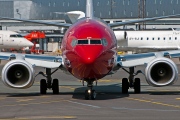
(132, 83)
(49, 83)
(90, 93)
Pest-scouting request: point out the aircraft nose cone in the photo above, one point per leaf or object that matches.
(28, 43)
(89, 59)
(89, 54)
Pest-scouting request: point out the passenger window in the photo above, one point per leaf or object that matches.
(141, 38)
(175, 38)
(158, 38)
(152, 38)
(147, 38)
(164, 38)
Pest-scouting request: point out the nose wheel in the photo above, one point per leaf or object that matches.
(90, 94)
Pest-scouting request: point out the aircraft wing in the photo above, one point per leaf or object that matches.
(140, 20)
(133, 60)
(66, 25)
(35, 60)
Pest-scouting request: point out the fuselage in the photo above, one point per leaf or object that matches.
(89, 49)
(10, 39)
(146, 41)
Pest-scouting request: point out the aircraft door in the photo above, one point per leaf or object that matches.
(1, 39)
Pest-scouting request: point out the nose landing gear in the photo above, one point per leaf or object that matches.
(90, 93)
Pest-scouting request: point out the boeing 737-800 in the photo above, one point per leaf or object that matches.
(10, 39)
(89, 52)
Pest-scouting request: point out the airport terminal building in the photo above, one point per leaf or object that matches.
(110, 10)
(106, 9)
(116, 10)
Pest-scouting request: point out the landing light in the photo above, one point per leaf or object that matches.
(89, 91)
(123, 59)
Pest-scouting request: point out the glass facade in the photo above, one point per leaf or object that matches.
(106, 9)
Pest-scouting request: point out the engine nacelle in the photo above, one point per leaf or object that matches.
(161, 72)
(18, 74)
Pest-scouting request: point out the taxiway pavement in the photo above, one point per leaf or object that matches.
(153, 103)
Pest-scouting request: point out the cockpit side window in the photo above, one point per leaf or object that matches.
(16, 36)
(19, 36)
(12, 35)
(74, 42)
(104, 42)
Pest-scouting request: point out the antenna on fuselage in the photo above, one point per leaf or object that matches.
(89, 8)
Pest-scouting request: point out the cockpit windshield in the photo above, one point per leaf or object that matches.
(16, 36)
(95, 42)
(89, 42)
(83, 42)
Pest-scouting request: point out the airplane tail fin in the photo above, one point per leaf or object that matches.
(72, 16)
(75, 15)
(89, 8)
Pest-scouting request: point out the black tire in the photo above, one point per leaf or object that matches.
(43, 86)
(86, 95)
(55, 86)
(125, 86)
(27, 51)
(93, 95)
(137, 86)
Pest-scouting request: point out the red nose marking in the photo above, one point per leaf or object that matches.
(89, 53)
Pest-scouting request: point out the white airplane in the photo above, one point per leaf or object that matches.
(146, 41)
(10, 39)
(89, 52)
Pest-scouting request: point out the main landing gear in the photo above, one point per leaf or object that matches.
(131, 83)
(90, 93)
(48, 83)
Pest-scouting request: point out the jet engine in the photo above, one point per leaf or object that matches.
(18, 74)
(161, 72)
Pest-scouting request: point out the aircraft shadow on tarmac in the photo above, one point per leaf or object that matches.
(104, 92)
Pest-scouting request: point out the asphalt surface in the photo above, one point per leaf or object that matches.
(153, 103)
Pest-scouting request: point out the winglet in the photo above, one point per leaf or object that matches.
(89, 8)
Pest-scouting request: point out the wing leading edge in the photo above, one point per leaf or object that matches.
(66, 25)
(35, 60)
(140, 20)
(144, 58)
